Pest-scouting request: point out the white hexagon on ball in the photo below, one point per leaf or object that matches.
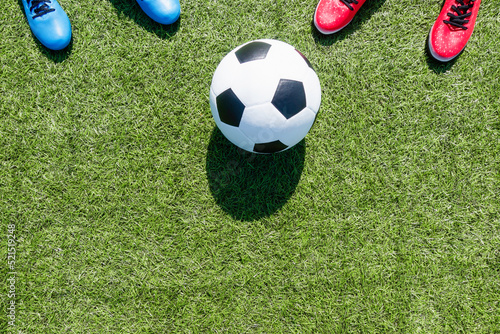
(265, 96)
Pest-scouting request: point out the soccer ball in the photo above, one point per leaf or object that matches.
(265, 96)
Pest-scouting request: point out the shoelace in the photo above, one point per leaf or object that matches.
(461, 11)
(40, 6)
(349, 2)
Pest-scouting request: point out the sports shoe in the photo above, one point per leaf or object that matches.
(333, 15)
(48, 22)
(453, 28)
(161, 11)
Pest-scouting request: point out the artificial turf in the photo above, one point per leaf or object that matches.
(133, 214)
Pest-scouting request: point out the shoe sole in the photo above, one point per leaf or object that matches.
(435, 55)
(327, 32)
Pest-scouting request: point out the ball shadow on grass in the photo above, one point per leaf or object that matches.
(250, 186)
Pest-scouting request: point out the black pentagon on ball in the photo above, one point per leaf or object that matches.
(290, 97)
(252, 51)
(271, 147)
(230, 107)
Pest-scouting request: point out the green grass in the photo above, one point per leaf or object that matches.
(134, 215)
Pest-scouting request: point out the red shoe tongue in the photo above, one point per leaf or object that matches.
(466, 2)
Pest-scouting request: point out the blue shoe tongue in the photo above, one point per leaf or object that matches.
(38, 3)
(40, 7)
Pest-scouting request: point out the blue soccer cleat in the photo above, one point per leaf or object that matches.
(48, 22)
(162, 11)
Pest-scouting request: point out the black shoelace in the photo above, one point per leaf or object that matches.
(349, 2)
(40, 6)
(459, 20)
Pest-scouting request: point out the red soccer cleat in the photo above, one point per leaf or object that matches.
(333, 15)
(453, 28)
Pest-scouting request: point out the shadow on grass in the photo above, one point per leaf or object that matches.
(131, 9)
(364, 14)
(250, 186)
(55, 56)
(435, 65)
